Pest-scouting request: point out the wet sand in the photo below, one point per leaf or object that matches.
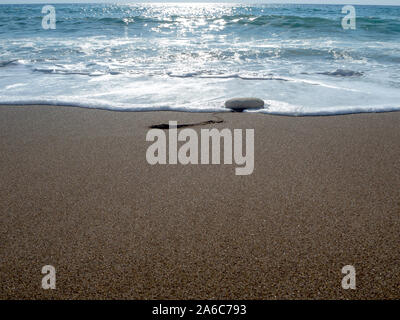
(76, 192)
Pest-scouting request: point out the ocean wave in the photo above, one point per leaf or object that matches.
(284, 22)
(272, 107)
(287, 21)
(73, 72)
(200, 74)
(8, 63)
(343, 73)
(204, 75)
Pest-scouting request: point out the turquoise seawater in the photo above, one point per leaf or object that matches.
(193, 57)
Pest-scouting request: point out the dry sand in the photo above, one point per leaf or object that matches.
(76, 192)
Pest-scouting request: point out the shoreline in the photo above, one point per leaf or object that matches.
(77, 193)
(223, 110)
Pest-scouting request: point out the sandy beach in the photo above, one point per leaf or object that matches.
(76, 192)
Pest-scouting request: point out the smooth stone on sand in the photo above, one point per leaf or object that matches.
(244, 103)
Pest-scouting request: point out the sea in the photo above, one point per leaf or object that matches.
(194, 56)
